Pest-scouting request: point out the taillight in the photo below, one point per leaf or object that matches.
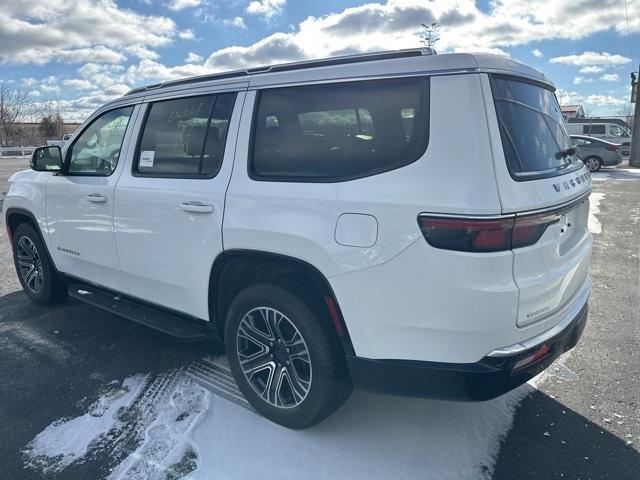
(484, 235)
(613, 148)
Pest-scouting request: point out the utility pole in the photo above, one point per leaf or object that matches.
(634, 157)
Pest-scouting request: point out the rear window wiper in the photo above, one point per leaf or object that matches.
(565, 153)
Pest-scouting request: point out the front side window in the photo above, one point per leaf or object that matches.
(532, 129)
(185, 137)
(97, 150)
(341, 131)
(616, 131)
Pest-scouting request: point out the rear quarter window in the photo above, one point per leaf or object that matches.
(532, 129)
(340, 131)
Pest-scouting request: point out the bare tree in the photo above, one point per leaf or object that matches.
(626, 112)
(13, 104)
(52, 123)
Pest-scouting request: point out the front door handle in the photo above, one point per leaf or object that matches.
(96, 198)
(197, 207)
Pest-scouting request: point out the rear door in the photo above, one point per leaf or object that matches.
(547, 189)
(169, 205)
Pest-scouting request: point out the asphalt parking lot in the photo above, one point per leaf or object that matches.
(85, 394)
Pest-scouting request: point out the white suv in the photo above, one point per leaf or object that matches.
(402, 222)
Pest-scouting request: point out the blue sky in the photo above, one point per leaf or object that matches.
(77, 54)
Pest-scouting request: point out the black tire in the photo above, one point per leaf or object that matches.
(329, 383)
(593, 163)
(44, 285)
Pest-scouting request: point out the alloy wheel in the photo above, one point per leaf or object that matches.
(593, 164)
(274, 357)
(29, 264)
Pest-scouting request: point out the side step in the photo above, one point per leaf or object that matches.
(174, 324)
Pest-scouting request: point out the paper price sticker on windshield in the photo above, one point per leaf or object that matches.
(146, 158)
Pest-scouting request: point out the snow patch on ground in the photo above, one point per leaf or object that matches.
(371, 436)
(167, 450)
(68, 440)
(170, 426)
(594, 209)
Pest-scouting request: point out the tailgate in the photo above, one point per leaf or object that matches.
(537, 173)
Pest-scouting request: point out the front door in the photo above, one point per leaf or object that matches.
(79, 202)
(169, 205)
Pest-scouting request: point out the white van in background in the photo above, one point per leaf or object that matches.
(614, 130)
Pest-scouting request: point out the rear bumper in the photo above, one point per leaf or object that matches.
(489, 378)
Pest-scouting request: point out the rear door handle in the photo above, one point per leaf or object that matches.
(96, 198)
(197, 207)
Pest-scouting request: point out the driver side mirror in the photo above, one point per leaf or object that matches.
(47, 159)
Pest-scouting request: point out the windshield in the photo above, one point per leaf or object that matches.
(533, 133)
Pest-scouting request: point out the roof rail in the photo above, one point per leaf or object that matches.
(283, 67)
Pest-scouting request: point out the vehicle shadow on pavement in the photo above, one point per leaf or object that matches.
(548, 440)
(56, 359)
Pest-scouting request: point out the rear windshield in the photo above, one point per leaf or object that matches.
(533, 134)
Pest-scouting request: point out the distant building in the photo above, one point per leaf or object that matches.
(572, 111)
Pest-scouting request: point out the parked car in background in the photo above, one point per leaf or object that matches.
(596, 153)
(612, 130)
(60, 143)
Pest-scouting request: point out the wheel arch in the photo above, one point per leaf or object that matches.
(235, 269)
(14, 216)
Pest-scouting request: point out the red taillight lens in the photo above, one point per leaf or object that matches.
(613, 148)
(528, 230)
(480, 235)
(467, 235)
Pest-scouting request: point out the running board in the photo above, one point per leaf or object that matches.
(174, 324)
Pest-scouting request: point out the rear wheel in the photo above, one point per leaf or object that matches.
(285, 358)
(37, 276)
(593, 163)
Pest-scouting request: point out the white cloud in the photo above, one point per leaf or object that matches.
(591, 69)
(537, 53)
(182, 4)
(39, 31)
(578, 80)
(235, 22)
(193, 58)
(78, 84)
(610, 77)
(186, 34)
(604, 100)
(29, 81)
(34, 93)
(266, 8)
(141, 52)
(591, 58)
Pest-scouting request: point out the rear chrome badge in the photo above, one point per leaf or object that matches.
(572, 183)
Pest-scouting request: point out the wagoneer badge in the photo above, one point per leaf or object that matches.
(572, 183)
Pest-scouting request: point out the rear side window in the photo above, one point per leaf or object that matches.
(341, 131)
(593, 129)
(532, 129)
(185, 137)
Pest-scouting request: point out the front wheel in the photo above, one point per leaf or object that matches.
(593, 163)
(286, 360)
(37, 276)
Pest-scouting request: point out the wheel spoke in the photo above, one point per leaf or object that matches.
(251, 333)
(255, 362)
(274, 387)
(299, 388)
(30, 277)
